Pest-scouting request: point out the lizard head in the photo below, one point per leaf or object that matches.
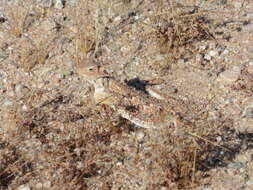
(91, 72)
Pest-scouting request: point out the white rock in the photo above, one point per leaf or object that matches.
(24, 187)
(218, 139)
(213, 53)
(202, 47)
(140, 135)
(59, 4)
(207, 57)
(237, 69)
(237, 4)
(117, 19)
(225, 52)
(250, 67)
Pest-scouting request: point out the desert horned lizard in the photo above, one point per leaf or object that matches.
(145, 110)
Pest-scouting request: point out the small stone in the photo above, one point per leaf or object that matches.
(67, 73)
(248, 112)
(229, 76)
(21, 89)
(250, 67)
(140, 136)
(225, 52)
(212, 53)
(202, 48)
(207, 57)
(237, 4)
(46, 3)
(24, 108)
(237, 69)
(117, 19)
(24, 187)
(218, 139)
(59, 4)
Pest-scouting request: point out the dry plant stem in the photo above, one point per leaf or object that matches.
(215, 144)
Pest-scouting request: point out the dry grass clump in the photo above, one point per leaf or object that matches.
(83, 32)
(33, 32)
(179, 34)
(56, 143)
(30, 52)
(17, 16)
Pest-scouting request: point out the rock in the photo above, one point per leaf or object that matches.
(46, 3)
(248, 112)
(213, 53)
(59, 4)
(250, 67)
(24, 187)
(225, 52)
(207, 57)
(238, 5)
(230, 76)
(140, 135)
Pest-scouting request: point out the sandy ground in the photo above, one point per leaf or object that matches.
(53, 136)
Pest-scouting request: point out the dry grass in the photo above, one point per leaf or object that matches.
(17, 16)
(179, 31)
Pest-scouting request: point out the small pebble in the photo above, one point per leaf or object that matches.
(117, 19)
(218, 139)
(250, 67)
(24, 108)
(207, 57)
(140, 136)
(202, 47)
(59, 4)
(225, 52)
(24, 187)
(212, 53)
(237, 4)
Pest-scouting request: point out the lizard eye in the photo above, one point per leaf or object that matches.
(90, 69)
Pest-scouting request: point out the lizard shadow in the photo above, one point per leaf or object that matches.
(139, 84)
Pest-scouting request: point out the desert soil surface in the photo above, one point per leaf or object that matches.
(53, 135)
